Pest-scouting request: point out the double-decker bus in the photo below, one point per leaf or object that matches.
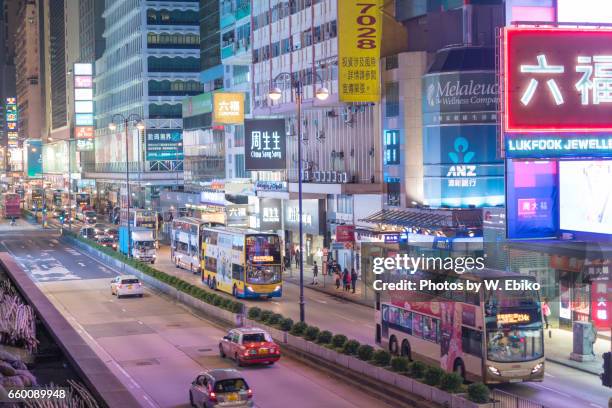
(244, 263)
(185, 239)
(82, 201)
(493, 335)
(36, 198)
(10, 205)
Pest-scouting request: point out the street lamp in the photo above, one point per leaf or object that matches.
(126, 120)
(321, 94)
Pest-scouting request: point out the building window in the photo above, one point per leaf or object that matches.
(344, 204)
(391, 62)
(393, 191)
(391, 99)
(392, 147)
(239, 166)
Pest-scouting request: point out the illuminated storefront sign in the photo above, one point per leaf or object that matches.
(557, 80)
(558, 146)
(265, 144)
(164, 144)
(228, 108)
(237, 215)
(263, 258)
(359, 34)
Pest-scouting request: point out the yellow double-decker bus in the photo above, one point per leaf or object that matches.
(245, 263)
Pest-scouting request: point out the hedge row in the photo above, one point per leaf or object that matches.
(177, 283)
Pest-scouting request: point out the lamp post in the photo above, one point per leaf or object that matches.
(321, 94)
(126, 120)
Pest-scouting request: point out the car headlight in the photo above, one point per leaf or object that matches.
(277, 288)
(494, 370)
(537, 368)
(249, 288)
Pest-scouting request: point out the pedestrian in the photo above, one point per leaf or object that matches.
(546, 311)
(297, 258)
(346, 279)
(353, 279)
(315, 273)
(337, 276)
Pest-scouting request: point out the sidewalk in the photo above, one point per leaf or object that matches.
(559, 346)
(327, 285)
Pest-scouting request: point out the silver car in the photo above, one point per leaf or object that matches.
(220, 388)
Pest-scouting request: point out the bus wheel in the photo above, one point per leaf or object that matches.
(406, 350)
(459, 368)
(393, 345)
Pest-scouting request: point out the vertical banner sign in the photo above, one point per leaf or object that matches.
(11, 119)
(83, 107)
(34, 158)
(360, 30)
(265, 144)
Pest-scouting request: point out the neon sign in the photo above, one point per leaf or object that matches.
(557, 80)
(517, 147)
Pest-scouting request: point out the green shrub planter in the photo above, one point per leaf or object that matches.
(451, 382)
(433, 376)
(338, 340)
(479, 393)
(416, 369)
(381, 358)
(350, 347)
(324, 337)
(365, 352)
(286, 324)
(400, 364)
(311, 333)
(298, 329)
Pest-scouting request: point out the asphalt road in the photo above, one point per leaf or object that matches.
(562, 387)
(154, 346)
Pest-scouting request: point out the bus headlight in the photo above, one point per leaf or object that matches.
(494, 370)
(537, 368)
(249, 288)
(277, 288)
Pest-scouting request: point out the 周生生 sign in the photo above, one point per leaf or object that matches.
(265, 144)
(359, 33)
(557, 80)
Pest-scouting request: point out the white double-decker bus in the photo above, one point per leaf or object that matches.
(185, 240)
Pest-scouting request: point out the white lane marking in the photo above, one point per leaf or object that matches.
(549, 375)
(275, 303)
(344, 317)
(320, 301)
(595, 405)
(553, 390)
(123, 310)
(81, 264)
(151, 403)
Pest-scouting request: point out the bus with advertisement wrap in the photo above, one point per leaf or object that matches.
(245, 263)
(10, 205)
(493, 336)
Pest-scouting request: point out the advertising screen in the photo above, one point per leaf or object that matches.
(557, 80)
(532, 199)
(580, 179)
(34, 157)
(164, 144)
(584, 11)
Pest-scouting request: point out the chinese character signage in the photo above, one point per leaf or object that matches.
(359, 33)
(265, 144)
(11, 119)
(313, 216)
(164, 144)
(345, 233)
(557, 80)
(237, 215)
(83, 107)
(270, 212)
(228, 108)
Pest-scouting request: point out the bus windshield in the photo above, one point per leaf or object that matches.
(514, 325)
(264, 274)
(263, 249)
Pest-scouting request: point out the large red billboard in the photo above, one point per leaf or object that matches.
(557, 80)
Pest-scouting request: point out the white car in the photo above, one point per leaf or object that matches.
(126, 285)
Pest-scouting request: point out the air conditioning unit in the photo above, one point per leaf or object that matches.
(317, 176)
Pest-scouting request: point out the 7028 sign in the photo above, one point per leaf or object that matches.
(366, 22)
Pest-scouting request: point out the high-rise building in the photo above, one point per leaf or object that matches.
(91, 28)
(8, 12)
(150, 63)
(28, 72)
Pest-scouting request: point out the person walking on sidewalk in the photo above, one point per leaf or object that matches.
(337, 276)
(315, 273)
(546, 311)
(353, 279)
(348, 280)
(345, 279)
(297, 258)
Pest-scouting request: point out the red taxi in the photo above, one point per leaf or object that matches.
(249, 345)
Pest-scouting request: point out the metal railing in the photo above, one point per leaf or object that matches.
(508, 400)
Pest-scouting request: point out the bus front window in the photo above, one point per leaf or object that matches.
(514, 325)
(512, 344)
(264, 274)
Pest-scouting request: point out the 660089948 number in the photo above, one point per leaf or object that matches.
(25, 394)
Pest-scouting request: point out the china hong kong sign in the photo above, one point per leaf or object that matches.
(265, 144)
(557, 80)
